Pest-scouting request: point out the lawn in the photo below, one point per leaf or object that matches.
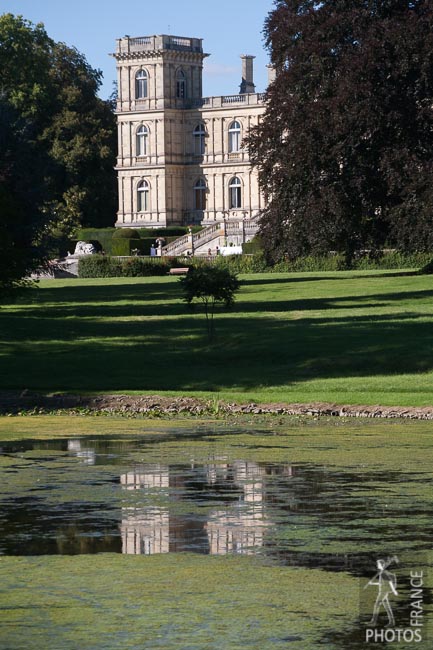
(346, 337)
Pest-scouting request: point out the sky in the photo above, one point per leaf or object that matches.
(229, 28)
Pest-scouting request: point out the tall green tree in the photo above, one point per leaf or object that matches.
(345, 149)
(24, 223)
(82, 137)
(52, 92)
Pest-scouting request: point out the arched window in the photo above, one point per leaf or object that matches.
(180, 84)
(234, 137)
(235, 193)
(200, 190)
(199, 139)
(141, 140)
(143, 196)
(141, 84)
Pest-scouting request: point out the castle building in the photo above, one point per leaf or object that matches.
(181, 158)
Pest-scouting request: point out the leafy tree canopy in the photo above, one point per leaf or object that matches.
(345, 148)
(24, 224)
(57, 145)
(54, 91)
(211, 285)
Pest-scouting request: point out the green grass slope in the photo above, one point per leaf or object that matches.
(347, 337)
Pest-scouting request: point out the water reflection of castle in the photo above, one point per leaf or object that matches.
(236, 525)
(86, 454)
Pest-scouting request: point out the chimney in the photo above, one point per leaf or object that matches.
(272, 73)
(247, 85)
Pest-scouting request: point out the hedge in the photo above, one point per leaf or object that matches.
(102, 235)
(393, 260)
(99, 266)
(126, 233)
(243, 263)
(105, 266)
(253, 246)
(125, 247)
(332, 262)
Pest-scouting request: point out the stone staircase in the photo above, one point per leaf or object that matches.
(221, 233)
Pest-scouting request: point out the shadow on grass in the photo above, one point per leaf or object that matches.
(173, 354)
(153, 303)
(141, 336)
(338, 277)
(95, 293)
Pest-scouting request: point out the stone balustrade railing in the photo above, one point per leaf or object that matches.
(248, 99)
(177, 247)
(188, 242)
(244, 227)
(135, 45)
(205, 235)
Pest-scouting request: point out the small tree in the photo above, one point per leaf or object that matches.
(210, 285)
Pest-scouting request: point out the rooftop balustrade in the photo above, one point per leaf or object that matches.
(128, 45)
(248, 99)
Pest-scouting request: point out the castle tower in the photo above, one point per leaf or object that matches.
(158, 78)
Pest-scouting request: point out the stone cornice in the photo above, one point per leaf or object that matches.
(160, 54)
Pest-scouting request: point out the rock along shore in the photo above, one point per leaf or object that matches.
(13, 403)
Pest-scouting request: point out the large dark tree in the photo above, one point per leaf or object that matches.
(345, 149)
(64, 135)
(24, 223)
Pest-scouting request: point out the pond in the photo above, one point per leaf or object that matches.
(241, 537)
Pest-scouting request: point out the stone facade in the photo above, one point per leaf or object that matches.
(181, 159)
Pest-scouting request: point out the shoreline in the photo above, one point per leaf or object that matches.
(32, 403)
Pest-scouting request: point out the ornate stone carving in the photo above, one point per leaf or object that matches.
(84, 248)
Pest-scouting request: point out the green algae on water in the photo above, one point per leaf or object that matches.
(168, 602)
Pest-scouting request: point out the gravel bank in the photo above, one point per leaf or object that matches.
(26, 401)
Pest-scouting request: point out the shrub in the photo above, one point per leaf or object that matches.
(104, 266)
(99, 266)
(126, 233)
(243, 263)
(252, 247)
(124, 247)
(183, 261)
(139, 267)
(368, 261)
(427, 269)
(393, 260)
(311, 263)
